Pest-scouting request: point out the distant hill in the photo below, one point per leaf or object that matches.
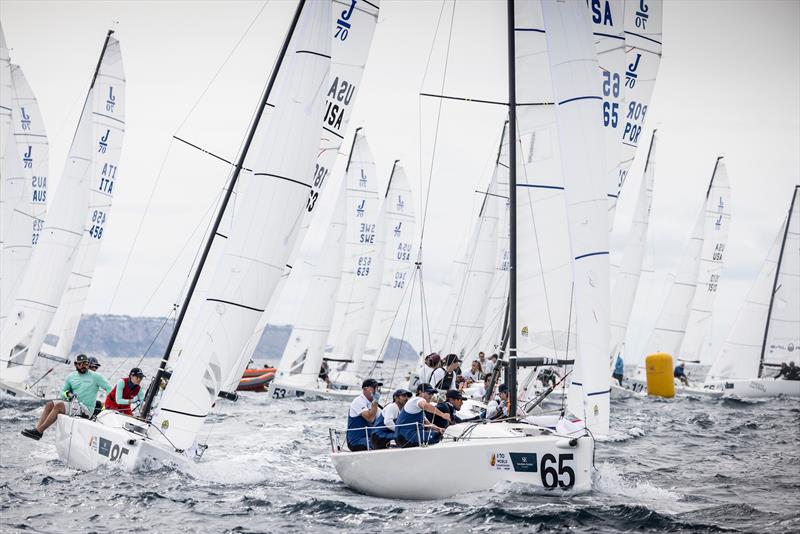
(123, 335)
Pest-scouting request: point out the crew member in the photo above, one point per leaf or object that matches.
(324, 371)
(498, 407)
(79, 391)
(548, 376)
(453, 402)
(619, 369)
(451, 372)
(94, 365)
(431, 371)
(384, 431)
(680, 373)
(126, 393)
(488, 368)
(474, 373)
(411, 424)
(362, 414)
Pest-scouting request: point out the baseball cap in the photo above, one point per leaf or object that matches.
(454, 394)
(502, 389)
(426, 388)
(452, 358)
(401, 393)
(370, 383)
(81, 358)
(136, 372)
(94, 362)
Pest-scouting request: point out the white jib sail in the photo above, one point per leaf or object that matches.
(352, 28)
(466, 327)
(52, 259)
(670, 328)
(623, 293)
(270, 203)
(607, 18)
(108, 120)
(497, 304)
(715, 238)
(6, 91)
(399, 227)
(361, 257)
(545, 318)
(745, 348)
(643, 20)
(306, 347)
(576, 88)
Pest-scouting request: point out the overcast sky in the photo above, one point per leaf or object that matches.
(729, 84)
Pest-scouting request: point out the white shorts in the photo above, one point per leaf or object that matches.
(75, 408)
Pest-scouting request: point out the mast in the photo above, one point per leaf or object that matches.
(154, 386)
(512, 216)
(775, 281)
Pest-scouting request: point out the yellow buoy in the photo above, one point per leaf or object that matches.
(659, 375)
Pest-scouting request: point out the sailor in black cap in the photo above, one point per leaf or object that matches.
(384, 431)
(412, 427)
(452, 404)
(362, 414)
(498, 408)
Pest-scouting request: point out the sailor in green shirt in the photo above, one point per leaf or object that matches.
(81, 385)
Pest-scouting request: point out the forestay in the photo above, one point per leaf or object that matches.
(270, 203)
(108, 123)
(715, 238)
(607, 18)
(576, 88)
(399, 227)
(643, 20)
(545, 322)
(361, 264)
(352, 29)
(52, 259)
(306, 347)
(626, 283)
(23, 186)
(767, 328)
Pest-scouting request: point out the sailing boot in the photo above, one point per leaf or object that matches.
(32, 433)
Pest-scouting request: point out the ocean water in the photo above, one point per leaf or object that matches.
(685, 465)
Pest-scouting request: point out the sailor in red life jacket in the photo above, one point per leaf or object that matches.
(126, 393)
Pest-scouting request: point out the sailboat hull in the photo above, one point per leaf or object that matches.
(546, 462)
(281, 389)
(21, 391)
(756, 388)
(112, 439)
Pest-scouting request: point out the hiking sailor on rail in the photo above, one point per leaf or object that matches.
(384, 426)
(362, 414)
(79, 392)
(126, 393)
(411, 424)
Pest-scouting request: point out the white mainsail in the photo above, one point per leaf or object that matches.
(715, 239)
(545, 319)
(575, 72)
(306, 347)
(706, 249)
(399, 227)
(607, 18)
(469, 314)
(362, 258)
(767, 329)
(52, 259)
(270, 204)
(626, 283)
(108, 123)
(643, 21)
(24, 168)
(351, 37)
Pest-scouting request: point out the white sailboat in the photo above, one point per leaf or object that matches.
(766, 332)
(24, 162)
(54, 256)
(270, 202)
(349, 52)
(519, 452)
(685, 318)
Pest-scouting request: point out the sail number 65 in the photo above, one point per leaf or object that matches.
(563, 476)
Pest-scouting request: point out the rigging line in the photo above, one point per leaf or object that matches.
(155, 337)
(436, 130)
(566, 352)
(224, 62)
(424, 305)
(518, 139)
(180, 253)
(403, 334)
(139, 228)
